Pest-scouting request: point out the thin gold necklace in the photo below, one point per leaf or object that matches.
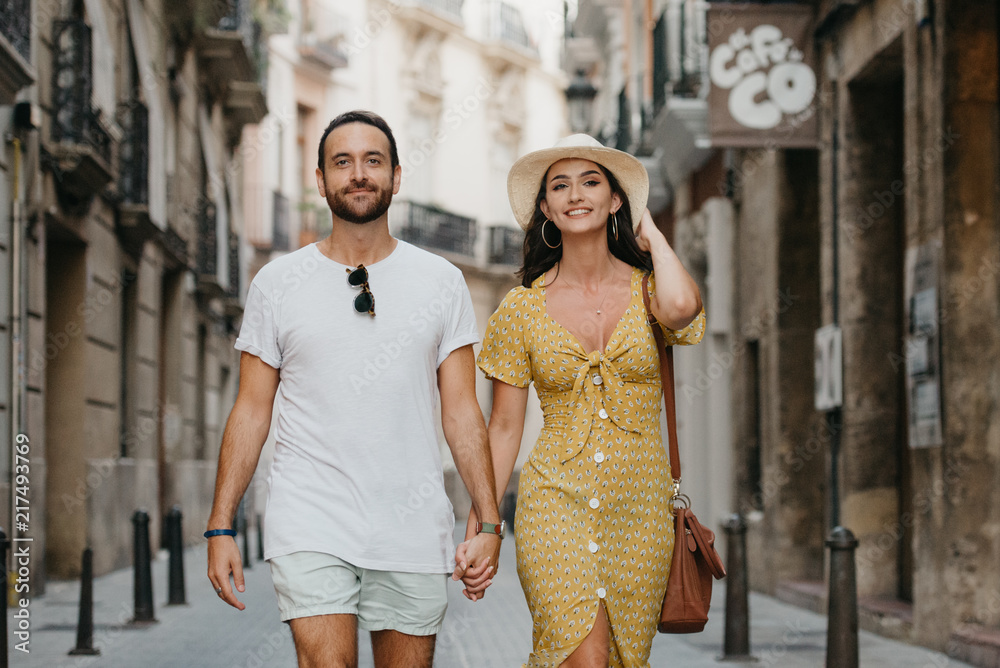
(607, 290)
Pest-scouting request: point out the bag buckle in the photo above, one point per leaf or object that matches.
(678, 498)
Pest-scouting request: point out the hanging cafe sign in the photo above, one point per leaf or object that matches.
(762, 76)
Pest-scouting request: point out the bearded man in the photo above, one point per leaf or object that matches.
(356, 384)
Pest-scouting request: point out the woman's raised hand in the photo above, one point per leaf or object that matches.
(648, 235)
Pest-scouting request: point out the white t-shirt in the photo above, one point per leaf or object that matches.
(357, 470)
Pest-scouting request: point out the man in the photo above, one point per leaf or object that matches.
(359, 530)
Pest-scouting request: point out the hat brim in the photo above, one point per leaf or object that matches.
(525, 178)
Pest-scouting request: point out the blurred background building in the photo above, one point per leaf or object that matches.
(826, 169)
(123, 238)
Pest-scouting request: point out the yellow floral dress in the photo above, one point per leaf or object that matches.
(593, 522)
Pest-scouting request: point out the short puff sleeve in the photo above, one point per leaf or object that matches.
(505, 353)
(688, 336)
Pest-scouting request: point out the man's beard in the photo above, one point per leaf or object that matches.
(359, 213)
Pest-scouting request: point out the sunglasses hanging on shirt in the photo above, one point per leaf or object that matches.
(365, 301)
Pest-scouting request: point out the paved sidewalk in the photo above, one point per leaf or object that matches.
(493, 633)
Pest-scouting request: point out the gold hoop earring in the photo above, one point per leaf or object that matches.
(545, 240)
(614, 224)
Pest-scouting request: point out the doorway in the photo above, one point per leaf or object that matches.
(873, 237)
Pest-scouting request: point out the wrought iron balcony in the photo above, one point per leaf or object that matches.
(208, 245)
(239, 19)
(134, 154)
(452, 8)
(504, 23)
(280, 223)
(133, 223)
(231, 50)
(15, 25)
(623, 137)
(435, 229)
(82, 148)
(661, 69)
(506, 245)
(233, 290)
(324, 52)
(15, 48)
(680, 52)
(176, 246)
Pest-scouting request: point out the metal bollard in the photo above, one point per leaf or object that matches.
(842, 621)
(736, 644)
(142, 584)
(85, 623)
(175, 542)
(260, 538)
(509, 509)
(3, 599)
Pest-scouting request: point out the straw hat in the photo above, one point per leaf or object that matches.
(525, 177)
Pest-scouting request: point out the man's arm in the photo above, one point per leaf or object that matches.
(505, 431)
(465, 431)
(246, 431)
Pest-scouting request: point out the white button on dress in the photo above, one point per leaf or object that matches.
(597, 379)
(594, 503)
(592, 547)
(601, 593)
(603, 414)
(599, 457)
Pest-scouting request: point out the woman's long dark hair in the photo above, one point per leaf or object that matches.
(539, 258)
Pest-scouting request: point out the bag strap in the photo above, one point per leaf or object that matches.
(667, 379)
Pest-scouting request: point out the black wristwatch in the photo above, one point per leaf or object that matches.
(486, 527)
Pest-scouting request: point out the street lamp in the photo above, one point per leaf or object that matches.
(580, 100)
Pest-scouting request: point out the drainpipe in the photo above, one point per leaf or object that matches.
(834, 417)
(18, 326)
(647, 35)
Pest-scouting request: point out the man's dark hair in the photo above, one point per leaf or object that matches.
(358, 116)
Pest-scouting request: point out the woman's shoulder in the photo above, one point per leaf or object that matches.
(522, 295)
(519, 302)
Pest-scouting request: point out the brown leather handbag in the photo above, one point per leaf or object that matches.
(694, 562)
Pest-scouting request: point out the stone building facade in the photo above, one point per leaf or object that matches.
(130, 230)
(887, 231)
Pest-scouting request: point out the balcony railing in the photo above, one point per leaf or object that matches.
(176, 245)
(323, 51)
(434, 228)
(75, 121)
(623, 137)
(661, 67)
(504, 23)
(680, 59)
(234, 266)
(15, 25)
(239, 18)
(208, 248)
(506, 245)
(453, 8)
(280, 224)
(134, 154)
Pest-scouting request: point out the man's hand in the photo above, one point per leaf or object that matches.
(476, 562)
(224, 558)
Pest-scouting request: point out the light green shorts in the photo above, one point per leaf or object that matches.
(313, 583)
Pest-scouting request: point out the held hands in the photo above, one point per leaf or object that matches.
(224, 558)
(476, 561)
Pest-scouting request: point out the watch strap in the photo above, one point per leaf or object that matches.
(486, 527)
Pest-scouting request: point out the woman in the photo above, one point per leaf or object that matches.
(593, 526)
